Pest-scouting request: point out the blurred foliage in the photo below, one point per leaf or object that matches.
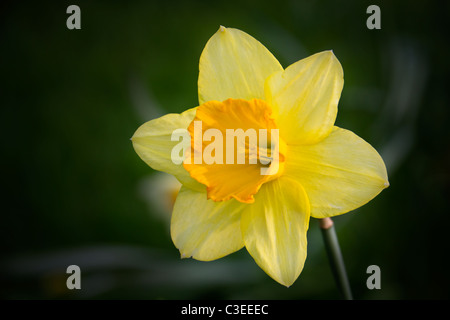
(74, 189)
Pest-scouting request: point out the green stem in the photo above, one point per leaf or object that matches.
(335, 257)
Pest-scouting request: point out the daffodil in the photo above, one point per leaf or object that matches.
(323, 170)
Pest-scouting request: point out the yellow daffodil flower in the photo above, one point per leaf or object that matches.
(322, 170)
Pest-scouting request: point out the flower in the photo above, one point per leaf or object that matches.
(322, 170)
(159, 192)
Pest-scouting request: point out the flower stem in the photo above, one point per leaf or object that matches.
(335, 257)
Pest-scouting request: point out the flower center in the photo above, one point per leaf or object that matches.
(235, 148)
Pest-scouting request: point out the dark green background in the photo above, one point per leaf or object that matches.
(71, 100)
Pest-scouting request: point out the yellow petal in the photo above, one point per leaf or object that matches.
(152, 141)
(274, 229)
(234, 65)
(339, 174)
(204, 229)
(304, 97)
